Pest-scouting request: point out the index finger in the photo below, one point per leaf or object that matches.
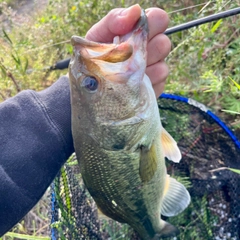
(117, 22)
(158, 21)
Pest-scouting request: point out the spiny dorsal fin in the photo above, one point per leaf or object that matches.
(170, 148)
(175, 198)
(148, 163)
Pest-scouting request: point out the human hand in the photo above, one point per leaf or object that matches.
(120, 21)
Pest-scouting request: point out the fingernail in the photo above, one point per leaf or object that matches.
(127, 10)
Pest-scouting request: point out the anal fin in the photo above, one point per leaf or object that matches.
(175, 198)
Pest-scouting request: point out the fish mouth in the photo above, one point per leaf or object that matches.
(112, 53)
(139, 30)
(120, 50)
(142, 22)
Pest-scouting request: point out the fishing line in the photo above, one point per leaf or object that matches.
(63, 64)
(47, 46)
(190, 7)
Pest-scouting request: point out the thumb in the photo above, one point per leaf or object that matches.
(118, 21)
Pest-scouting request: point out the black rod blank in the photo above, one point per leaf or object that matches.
(203, 20)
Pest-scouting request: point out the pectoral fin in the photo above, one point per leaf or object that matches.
(175, 198)
(170, 148)
(148, 163)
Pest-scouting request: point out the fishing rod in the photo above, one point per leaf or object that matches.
(63, 64)
(203, 20)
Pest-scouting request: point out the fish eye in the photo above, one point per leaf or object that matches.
(90, 83)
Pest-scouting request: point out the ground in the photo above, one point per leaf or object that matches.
(21, 11)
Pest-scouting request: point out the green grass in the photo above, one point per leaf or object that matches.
(204, 62)
(24, 236)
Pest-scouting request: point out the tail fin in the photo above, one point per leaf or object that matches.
(167, 230)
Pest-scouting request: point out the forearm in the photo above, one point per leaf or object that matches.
(35, 141)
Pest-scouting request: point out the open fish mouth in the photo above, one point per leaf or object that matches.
(120, 50)
(139, 30)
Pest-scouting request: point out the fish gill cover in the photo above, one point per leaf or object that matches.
(207, 146)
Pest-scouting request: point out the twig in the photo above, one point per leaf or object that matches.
(219, 45)
(213, 150)
(3, 97)
(194, 157)
(228, 41)
(219, 169)
(9, 74)
(40, 229)
(234, 123)
(37, 217)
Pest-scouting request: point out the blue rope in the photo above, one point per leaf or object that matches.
(174, 97)
(211, 114)
(53, 203)
(229, 132)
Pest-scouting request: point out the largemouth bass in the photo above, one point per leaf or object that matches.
(118, 136)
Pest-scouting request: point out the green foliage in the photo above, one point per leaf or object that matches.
(12, 235)
(203, 59)
(198, 226)
(235, 170)
(115, 230)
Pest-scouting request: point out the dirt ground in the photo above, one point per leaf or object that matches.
(20, 12)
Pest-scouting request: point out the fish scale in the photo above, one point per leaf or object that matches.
(118, 137)
(113, 170)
